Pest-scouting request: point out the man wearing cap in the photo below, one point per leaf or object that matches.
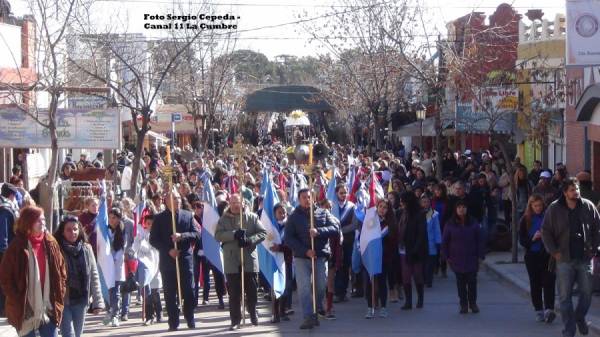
(8, 215)
(548, 192)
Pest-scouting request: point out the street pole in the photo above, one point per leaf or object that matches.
(422, 150)
(172, 134)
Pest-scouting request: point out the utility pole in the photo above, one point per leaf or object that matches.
(441, 77)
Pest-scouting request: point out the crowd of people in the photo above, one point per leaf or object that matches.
(50, 281)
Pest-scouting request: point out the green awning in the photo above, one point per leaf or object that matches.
(286, 99)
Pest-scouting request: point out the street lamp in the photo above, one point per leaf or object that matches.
(421, 115)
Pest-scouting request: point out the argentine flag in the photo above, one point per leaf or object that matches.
(293, 194)
(330, 194)
(371, 243)
(271, 264)
(210, 218)
(106, 263)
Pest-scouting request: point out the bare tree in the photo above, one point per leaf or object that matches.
(203, 77)
(366, 57)
(138, 69)
(52, 20)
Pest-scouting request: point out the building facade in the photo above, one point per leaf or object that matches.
(541, 78)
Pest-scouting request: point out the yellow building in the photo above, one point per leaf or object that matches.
(541, 78)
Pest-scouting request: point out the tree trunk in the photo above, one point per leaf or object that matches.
(137, 159)
(48, 184)
(198, 138)
(513, 199)
(438, 141)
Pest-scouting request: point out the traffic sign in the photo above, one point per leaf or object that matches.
(176, 117)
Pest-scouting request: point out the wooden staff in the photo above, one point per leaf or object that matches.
(312, 226)
(239, 152)
(168, 171)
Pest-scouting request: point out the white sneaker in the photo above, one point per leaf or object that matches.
(115, 322)
(539, 316)
(549, 316)
(383, 313)
(370, 313)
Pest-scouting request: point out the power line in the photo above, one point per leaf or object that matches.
(241, 4)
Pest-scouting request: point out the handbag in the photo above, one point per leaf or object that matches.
(130, 284)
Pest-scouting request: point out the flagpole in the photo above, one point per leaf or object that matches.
(168, 171)
(144, 304)
(373, 292)
(312, 226)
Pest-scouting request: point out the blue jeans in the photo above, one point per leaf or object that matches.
(567, 274)
(73, 320)
(304, 279)
(125, 300)
(45, 330)
(114, 294)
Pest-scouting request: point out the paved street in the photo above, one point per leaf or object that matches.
(503, 313)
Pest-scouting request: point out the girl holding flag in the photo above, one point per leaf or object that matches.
(389, 237)
(117, 239)
(280, 304)
(149, 276)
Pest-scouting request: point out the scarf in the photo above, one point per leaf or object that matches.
(38, 302)
(76, 270)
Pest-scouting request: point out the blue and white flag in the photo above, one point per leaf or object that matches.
(350, 178)
(271, 264)
(293, 194)
(106, 263)
(330, 194)
(210, 218)
(371, 242)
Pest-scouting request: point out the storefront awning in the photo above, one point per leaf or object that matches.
(157, 136)
(414, 129)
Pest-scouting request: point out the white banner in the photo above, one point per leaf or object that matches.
(76, 129)
(583, 32)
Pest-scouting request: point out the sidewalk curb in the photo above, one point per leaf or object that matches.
(523, 289)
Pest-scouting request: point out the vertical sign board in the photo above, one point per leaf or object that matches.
(583, 32)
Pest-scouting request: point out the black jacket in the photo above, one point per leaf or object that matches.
(297, 231)
(160, 238)
(413, 236)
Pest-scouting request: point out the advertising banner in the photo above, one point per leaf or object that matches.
(498, 114)
(76, 129)
(583, 32)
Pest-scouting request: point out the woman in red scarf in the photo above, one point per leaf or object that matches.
(33, 277)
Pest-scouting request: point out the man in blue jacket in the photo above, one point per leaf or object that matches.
(298, 237)
(163, 238)
(8, 215)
